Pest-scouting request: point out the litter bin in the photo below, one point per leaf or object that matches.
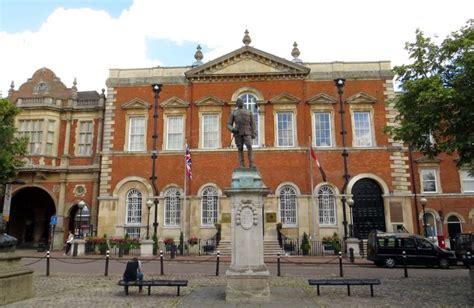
(441, 242)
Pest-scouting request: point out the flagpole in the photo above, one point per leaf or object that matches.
(184, 211)
(312, 187)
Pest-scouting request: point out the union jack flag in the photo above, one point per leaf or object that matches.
(188, 162)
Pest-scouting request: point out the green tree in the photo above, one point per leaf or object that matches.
(436, 103)
(11, 147)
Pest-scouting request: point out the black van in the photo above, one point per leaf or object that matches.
(387, 249)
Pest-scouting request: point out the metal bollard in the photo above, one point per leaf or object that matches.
(107, 256)
(47, 263)
(278, 265)
(351, 254)
(341, 274)
(405, 263)
(217, 264)
(161, 263)
(469, 260)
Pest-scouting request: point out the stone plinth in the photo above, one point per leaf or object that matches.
(247, 277)
(146, 248)
(16, 281)
(353, 243)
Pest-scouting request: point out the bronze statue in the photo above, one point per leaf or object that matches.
(244, 131)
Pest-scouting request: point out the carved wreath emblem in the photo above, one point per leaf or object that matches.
(246, 215)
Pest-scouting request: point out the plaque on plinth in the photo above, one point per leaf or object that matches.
(247, 276)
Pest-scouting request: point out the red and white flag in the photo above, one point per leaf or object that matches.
(188, 163)
(313, 155)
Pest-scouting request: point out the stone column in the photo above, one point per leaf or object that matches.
(248, 276)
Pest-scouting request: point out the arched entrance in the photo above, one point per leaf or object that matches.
(79, 221)
(454, 227)
(31, 211)
(368, 212)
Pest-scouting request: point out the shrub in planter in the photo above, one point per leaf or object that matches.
(193, 241)
(305, 247)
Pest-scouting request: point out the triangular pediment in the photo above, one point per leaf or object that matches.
(248, 63)
(136, 103)
(322, 98)
(210, 101)
(361, 98)
(174, 102)
(285, 98)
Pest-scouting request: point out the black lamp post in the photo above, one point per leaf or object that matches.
(80, 205)
(423, 202)
(156, 90)
(350, 203)
(149, 204)
(340, 82)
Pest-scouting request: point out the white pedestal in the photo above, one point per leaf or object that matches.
(353, 243)
(81, 247)
(146, 248)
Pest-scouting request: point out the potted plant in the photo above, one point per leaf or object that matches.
(169, 242)
(305, 246)
(193, 241)
(332, 243)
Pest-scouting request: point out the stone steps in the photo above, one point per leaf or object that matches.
(269, 248)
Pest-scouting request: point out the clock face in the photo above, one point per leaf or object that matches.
(42, 86)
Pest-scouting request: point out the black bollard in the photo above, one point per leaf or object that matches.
(341, 274)
(107, 256)
(468, 257)
(351, 254)
(405, 263)
(161, 263)
(74, 250)
(278, 265)
(217, 263)
(47, 263)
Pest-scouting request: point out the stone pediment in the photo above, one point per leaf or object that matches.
(136, 103)
(361, 98)
(285, 98)
(174, 102)
(247, 63)
(322, 98)
(210, 101)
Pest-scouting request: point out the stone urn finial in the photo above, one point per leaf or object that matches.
(296, 53)
(246, 40)
(198, 56)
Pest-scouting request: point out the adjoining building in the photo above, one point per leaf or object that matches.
(85, 147)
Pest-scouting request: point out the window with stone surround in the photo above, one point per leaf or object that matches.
(322, 129)
(326, 205)
(285, 129)
(172, 207)
(133, 215)
(288, 205)
(209, 206)
(84, 144)
(40, 136)
(175, 132)
(429, 182)
(136, 139)
(210, 131)
(362, 129)
(467, 181)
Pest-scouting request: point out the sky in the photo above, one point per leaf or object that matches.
(83, 39)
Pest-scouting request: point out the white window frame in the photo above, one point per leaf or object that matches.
(291, 142)
(172, 208)
(431, 228)
(210, 205)
(173, 132)
(357, 139)
(467, 181)
(251, 103)
(316, 131)
(216, 131)
(435, 180)
(140, 146)
(326, 200)
(85, 138)
(41, 135)
(133, 208)
(288, 205)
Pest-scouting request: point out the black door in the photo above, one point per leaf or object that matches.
(367, 212)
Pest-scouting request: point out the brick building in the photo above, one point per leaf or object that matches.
(295, 104)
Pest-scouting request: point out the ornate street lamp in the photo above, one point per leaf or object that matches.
(423, 202)
(149, 204)
(80, 205)
(340, 82)
(156, 90)
(350, 203)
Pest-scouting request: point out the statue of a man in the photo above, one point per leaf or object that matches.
(244, 130)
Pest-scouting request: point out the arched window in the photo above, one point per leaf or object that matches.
(209, 206)
(326, 205)
(172, 207)
(250, 103)
(431, 230)
(288, 205)
(133, 216)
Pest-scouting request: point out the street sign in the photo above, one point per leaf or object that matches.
(54, 220)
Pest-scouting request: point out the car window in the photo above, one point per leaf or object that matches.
(422, 243)
(408, 242)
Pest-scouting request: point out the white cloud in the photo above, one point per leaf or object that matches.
(85, 43)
